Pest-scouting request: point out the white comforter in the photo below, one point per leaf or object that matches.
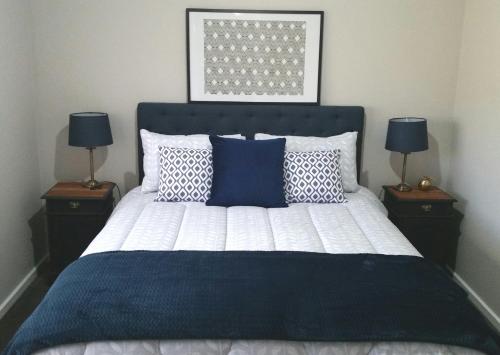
(359, 226)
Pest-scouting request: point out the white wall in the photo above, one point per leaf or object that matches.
(19, 170)
(475, 171)
(393, 57)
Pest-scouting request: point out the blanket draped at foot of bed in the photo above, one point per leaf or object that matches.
(254, 295)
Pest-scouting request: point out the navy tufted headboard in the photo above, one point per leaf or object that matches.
(320, 121)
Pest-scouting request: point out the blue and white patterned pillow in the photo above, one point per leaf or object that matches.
(185, 175)
(313, 177)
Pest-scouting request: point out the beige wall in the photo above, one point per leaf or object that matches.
(19, 171)
(475, 171)
(393, 57)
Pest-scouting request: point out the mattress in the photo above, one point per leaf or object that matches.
(359, 226)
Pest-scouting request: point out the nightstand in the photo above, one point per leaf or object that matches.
(428, 220)
(75, 215)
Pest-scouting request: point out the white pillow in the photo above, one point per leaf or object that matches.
(346, 142)
(152, 141)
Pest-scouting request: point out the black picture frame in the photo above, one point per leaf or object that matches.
(193, 99)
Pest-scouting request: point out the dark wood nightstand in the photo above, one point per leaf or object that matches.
(428, 220)
(75, 215)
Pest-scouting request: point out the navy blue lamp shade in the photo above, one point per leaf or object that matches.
(89, 129)
(407, 135)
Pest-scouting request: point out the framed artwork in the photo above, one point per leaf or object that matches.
(252, 56)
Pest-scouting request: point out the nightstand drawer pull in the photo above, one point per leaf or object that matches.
(426, 208)
(74, 205)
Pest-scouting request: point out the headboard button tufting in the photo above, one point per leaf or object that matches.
(218, 118)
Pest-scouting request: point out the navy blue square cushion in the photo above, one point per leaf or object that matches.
(247, 172)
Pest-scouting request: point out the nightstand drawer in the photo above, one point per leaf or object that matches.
(75, 215)
(420, 209)
(78, 206)
(70, 235)
(428, 220)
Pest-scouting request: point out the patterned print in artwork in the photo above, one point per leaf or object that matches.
(185, 175)
(246, 57)
(313, 177)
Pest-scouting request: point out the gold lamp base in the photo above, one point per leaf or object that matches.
(403, 187)
(92, 184)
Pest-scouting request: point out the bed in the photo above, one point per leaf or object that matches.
(357, 227)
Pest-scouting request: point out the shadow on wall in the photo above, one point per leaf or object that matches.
(38, 235)
(419, 164)
(461, 203)
(72, 163)
(131, 180)
(364, 179)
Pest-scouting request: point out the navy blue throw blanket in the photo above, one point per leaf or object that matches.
(254, 295)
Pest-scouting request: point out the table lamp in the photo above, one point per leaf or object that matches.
(90, 130)
(406, 135)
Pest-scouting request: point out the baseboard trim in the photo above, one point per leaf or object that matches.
(479, 302)
(20, 288)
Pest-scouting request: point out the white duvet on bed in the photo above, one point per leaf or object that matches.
(359, 226)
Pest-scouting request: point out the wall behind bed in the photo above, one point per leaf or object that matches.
(393, 57)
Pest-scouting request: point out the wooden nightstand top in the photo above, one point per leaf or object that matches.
(74, 190)
(434, 194)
